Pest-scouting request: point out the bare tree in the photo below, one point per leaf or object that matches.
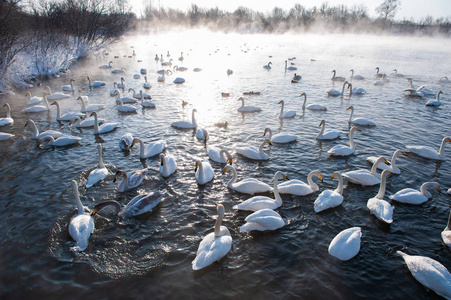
(388, 9)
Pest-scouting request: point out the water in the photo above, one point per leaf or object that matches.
(152, 254)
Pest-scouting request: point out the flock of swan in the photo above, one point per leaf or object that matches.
(217, 244)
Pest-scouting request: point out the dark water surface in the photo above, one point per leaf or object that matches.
(150, 256)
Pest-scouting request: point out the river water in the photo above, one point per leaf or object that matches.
(150, 256)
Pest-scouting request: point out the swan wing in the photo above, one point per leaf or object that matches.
(265, 219)
(283, 138)
(251, 186)
(155, 148)
(212, 249)
(381, 209)
(425, 151)
(294, 187)
(409, 196)
(142, 204)
(327, 199)
(346, 244)
(96, 176)
(362, 177)
(80, 229)
(257, 203)
(341, 150)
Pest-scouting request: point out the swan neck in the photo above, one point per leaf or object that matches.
(351, 140)
(80, 208)
(281, 110)
(232, 180)
(123, 183)
(311, 183)
(323, 126)
(260, 149)
(350, 116)
(448, 226)
(200, 169)
(34, 127)
(96, 123)
(141, 147)
(101, 165)
(58, 111)
(194, 119)
(89, 80)
(343, 88)
(278, 199)
(441, 152)
(269, 134)
(305, 100)
(339, 188)
(381, 193)
(8, 111)
(374, 167)
(218, 225)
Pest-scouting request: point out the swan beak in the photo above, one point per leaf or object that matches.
(333, 176)
(280, 102)
(162, 161)
(223, 171)
(403, 153)
(285, 176)
(94, 211)
(53, 103)
(26, 124)
(70, 122)
(116, 176)
(321, 178)
(92, 114)
(348, 108)
(269, 143)
(230, 161)
(438, 189)
(197, 167)
(387, 162)
(322, 122)
(358, 129)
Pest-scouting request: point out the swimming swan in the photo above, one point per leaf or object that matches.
(81, 226)
(330, 198)
(412, 196)
(248, 108)
(8, 120)
(37, 135)
(429, 152)
(105, 127)
(70, 87)
(286, 114)
(219, 155)
(378, 206)
(327, 134)
(67, 116)
(252, 152)
(186, 124)
(261, 220)
(62, 141)
(359, 121)
(365, 177)
(280, 138)
(32, 100)
(355, 77)
(335, 93)
(126, 142)
(392, 167)
(300, 188)
(337, 78)
(342, 150)
(268, 66)
(436, 101)
(168, 165)
(357, 91)
(346, 244)
(130, 180)
(249, 186)
(38, 108)
(204, 172)
(55, 96)
(446, 233)
(98, 174)
(154, 148)
(312, 106)
(91, 107)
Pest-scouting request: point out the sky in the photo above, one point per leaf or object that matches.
(416, 9)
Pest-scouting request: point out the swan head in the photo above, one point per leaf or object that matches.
(266, 131)
(77, 120)
(220, 209)
(198, 162)
(227, 168)
(354, 129)
(28, 94)
(240, 99)
(377, 69)
(94, 113)
(281, 102)
(49, 139)
(318, 174)
(323, 122)
(161, 159)
(336, 174)
(118, 174)
(350, 107)
(55, 103)
(280, 175)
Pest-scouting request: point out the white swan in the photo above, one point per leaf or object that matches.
(146, 84)
(95, 83)
(357, 91)
(105, 127)
(89, 122)
(429, 152)
(219, 155)
(430, 273)
(365, 177)
(114, 92)
(330, 198)
(98, 174)
(355, 77)
(126, 142)
(154, 148)
(146, 103)
(167, 63)
(202, 134)
(7, 120)
(261, 202)
(421, 89)
(214, 245)
(70, 87)
(32, 100)
(247, 108)
(342, 150)
(290, 68)
(444, 79)
(186, 124)
(378, 206)
(392, 167)
(55, 96)
(335, 93)
(300, 188)
(121, 84)
(346, 244)
(280, 138)
(268, 66)
(137, 76)
(67, 116)
(140, 95)
(181, 57)
(379, 75)
(179, 80)
(261, 220)
(296, 78)
(337, 78)
(108, 66)
(197, 69)
(312, 106)
(37, 135)
(121, 70)
(204, 172)
(130, 180)
(252, 152)
(182, 69)
(125, 108)
(446, 233)
(81, 226)
(396, 74)
(62, 141)
(436, 101)
(359, 121)
(286, 114)
(90, 107)
(38, 108)
(168, 165)
(327, 134)
(249, 186)
(412, 196)
(5, 136)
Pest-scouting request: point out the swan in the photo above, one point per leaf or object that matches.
(167, 63)
(157, 58)
(335, 93)
(121, 70)
(359, 121)
(286, 114)
(125, 99)
(114, 92)
(7, 120)
(392, 167)
(125, 108)
(411, 196)
(229, 72)
(337, 78)
(204, 172)
(95, 83)
(290, 68)
(62, 141)
(105, 127)
(219, 155)
(429, 152)
(300, 188)
(139, 205)
(247, 108)
(313, 106)
(126, 142)
(261, 220)
(197, 69)
(327, 134)
(121, 84)
(32, 100)
(55, 96)
(252, 152)
(38, 108)
(379, 75)
(89, 122)
(154, 148)
(147, 103)
(146, 84)
(179, 80)
(357, 91)
(246, 186)
(37, 135)
(108, 66)
(186, 124)
(342, 150)
(168, 165)
(365, 177)
(444, 80)
(296, 78)
(436, 101)
(378, 206)
(330, 198)
(91, 107)
(83, 97)
(98, 174)
(181, 57)
(181, 69)
(81, 226)
(214, 245)
(280, 138)
(143, 71)
(268, 66)
(430, 273)
(140, 94)
(202, 134)
(346, 244)
(261, 202)
(421, 89)
(446, 233)
(67, 116)
(70, 87)
(355, 77)
(5, 136)
(396, 74)
(130, 180)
